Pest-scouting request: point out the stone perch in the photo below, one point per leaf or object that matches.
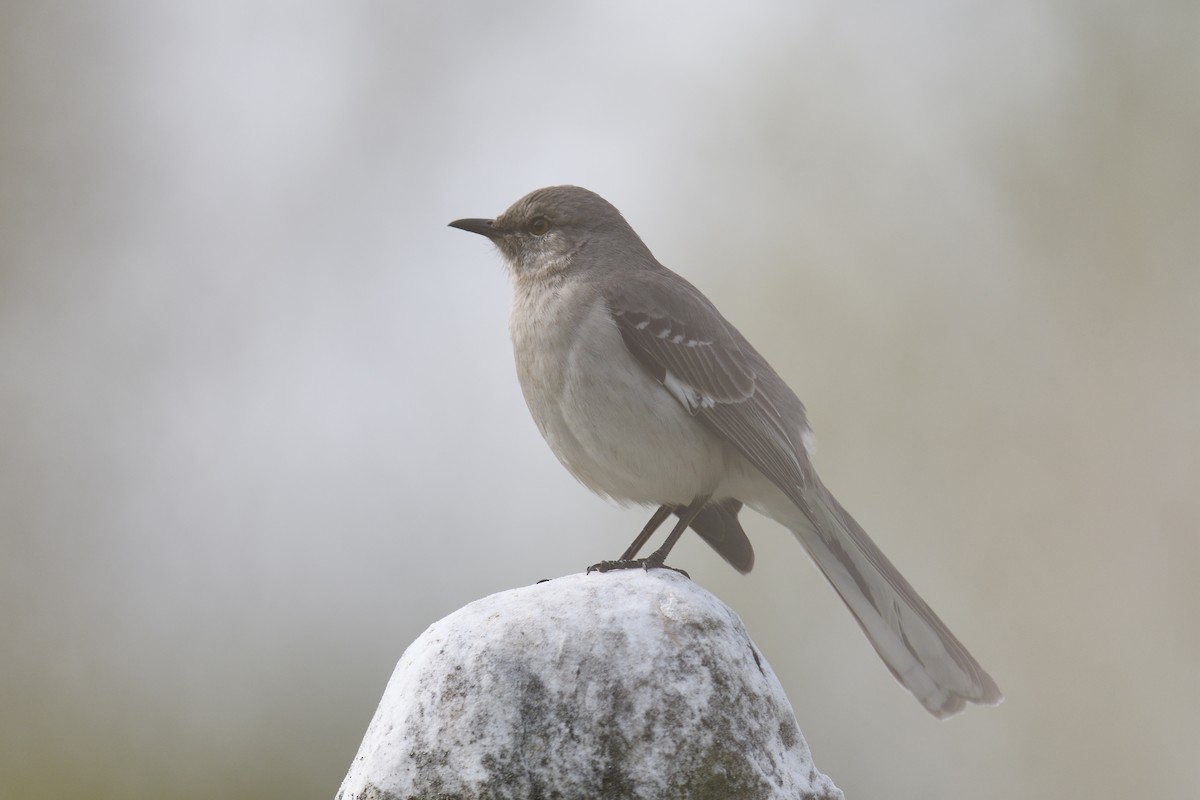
(628, 684)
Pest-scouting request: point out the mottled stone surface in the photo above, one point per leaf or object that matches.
(628, 684)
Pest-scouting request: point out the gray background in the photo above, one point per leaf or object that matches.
(259, 424)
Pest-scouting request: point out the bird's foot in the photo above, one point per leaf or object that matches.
(633, 563)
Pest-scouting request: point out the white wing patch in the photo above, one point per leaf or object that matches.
(809, 440)
(689, 397)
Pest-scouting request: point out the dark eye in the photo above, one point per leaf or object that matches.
(539, 225)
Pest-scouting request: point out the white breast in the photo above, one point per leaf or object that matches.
(619, 432)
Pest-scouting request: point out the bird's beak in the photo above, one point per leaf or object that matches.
(484, 227)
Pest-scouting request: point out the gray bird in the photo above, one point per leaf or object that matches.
(648, 395)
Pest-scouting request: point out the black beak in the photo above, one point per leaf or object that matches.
(483, 227)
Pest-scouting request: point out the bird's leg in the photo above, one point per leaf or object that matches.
(629, 557)
(631, 552)
(686, 515)
(659, 556)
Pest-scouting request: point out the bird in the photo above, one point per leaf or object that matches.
(649, 396)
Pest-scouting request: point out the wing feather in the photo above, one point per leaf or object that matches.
(715, 374)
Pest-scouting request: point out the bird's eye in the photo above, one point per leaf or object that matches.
(539, 226)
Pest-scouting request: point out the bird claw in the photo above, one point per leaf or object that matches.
(633, 563)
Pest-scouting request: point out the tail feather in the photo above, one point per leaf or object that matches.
(718, 525)
(913, 642)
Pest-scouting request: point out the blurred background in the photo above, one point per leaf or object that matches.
(259, 423)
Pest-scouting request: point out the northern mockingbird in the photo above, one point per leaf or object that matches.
(648, 395)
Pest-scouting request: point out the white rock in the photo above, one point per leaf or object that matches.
(627, 684)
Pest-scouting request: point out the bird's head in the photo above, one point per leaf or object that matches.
(544, 232)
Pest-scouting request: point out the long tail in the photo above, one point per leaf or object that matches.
(910, 638)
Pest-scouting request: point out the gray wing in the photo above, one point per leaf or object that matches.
(684, 342)
(676, 334)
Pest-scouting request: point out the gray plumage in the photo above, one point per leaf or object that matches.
(648, 395)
